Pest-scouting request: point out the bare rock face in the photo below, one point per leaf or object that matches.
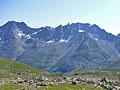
(63, 48)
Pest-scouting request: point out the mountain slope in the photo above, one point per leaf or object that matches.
(10, 68)
(64, 48)
(117, 43)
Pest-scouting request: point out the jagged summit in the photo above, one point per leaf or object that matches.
(12, 23)
(62, 48)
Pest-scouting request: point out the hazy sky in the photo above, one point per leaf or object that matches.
(38, 13)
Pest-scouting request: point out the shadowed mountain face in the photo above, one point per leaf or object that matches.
(117, 43)
(64, 48)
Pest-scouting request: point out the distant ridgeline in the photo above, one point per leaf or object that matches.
(63, 48)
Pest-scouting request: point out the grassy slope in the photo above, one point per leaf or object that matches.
(9, 68)
(13, 65)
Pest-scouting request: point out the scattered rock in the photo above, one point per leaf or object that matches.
(41, 84)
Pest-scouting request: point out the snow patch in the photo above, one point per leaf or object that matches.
(35, 33)
(28, 36)
(51, 41)
(93, 37)
(80, 30)
(20, 34)
(63, 40)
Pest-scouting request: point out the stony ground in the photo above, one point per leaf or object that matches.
(63, 81)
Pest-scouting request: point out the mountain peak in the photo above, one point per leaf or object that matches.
(118, 35)
(13, 23)
(73, 45)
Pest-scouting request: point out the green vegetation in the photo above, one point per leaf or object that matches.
(11, 69)
(110, 74)
(68, 86)
(10, 86)
(13, 65)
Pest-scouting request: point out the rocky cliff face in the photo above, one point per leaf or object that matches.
(64, 48)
